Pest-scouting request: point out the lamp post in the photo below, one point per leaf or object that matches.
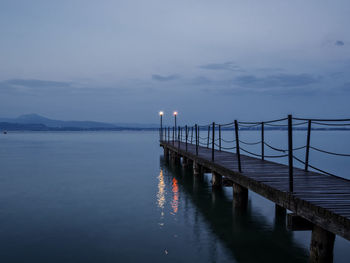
(161, 113)
(175, 114)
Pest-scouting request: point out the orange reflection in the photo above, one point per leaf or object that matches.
(161, 190)
(175, 201)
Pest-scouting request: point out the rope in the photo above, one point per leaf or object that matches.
(286, 125)
(274, 148)
(250, 143)
(226, 124)
(248, 126)
(284, 150)
(246, 122)
(228, 148)
(337, 120)
(331, 153)
(315, 168)
(299, 148)
(300, 123)
(331, 124)
(228, 141)
(267, 156)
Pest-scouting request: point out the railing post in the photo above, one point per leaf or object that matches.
(178, 138)
(168, 134)
(196, 139)
(237, 147)
(181, 128)
(213, 143)
(307, 146)
(208, 136)
(186, 135)
(220, 138)
(290, 152)
(262, 142)
(191, 134)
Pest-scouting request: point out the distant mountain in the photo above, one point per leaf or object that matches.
(37, 119)
(34, 119)
(6, 126)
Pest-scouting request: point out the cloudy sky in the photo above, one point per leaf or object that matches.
(123, 61)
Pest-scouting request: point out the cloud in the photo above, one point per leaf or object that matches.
(339, 43)
(345, 87)
(165, 78)
(34, 83)
(35, 87)
(230, 66)
(274, 84)
(275, 81)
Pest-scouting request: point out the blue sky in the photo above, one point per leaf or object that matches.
(210, 60)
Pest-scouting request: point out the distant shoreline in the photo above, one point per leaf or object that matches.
(41, 127)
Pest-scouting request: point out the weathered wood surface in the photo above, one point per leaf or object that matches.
(321, 199)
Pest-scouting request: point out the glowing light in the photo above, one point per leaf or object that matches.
(175, 201)
(161, 190)
(161, 113)
(175, 113)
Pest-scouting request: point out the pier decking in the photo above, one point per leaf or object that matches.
(319, 200)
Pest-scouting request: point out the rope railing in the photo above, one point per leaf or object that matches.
(270, 121)
(267, 156)
(191, 135)
(328, 152)
(249, 143)
(249, 125)
(227, 124)
(322, 120)
(228, 141)
(331, 124)
(228, 148)
(315, 168)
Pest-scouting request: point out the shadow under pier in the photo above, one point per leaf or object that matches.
(247, 234)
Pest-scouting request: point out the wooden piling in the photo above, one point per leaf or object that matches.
(240, 196)
(321, 247)
(216, 179)
(197, 169)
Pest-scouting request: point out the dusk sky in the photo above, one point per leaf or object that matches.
(123, 61)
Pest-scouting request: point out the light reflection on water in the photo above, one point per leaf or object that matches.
(175, 201)
(161, 190)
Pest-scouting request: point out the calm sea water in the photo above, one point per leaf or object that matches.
(110, 197)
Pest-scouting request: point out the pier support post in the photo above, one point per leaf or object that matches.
(185, 162)
(166, 153)
(197, 168)
(280, 211)
(175, 159)
(216, 179)
(321, 247)
(240, 196)
(216, 195)
(280, 216)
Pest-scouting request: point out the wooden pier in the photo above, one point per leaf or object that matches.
(317, 201)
